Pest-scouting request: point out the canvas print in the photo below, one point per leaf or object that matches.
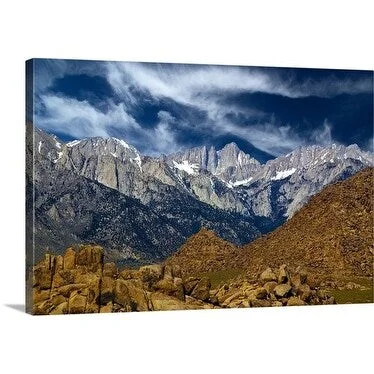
(156, 187)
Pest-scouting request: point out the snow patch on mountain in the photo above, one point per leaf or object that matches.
(283, 174)
(227, 164)
(240, 183)
(122, 142)
(211, 183)
(138, 161)
(73, 143)
(59, 155)
(190, 169)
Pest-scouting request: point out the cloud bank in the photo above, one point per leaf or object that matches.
(176, 92)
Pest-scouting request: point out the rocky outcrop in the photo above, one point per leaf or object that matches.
(80, 282)
(290, 289)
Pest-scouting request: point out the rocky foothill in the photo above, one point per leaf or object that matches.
(80, 282)
(273, 287)
(331, 237)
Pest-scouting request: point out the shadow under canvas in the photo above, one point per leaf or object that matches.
(18, 307)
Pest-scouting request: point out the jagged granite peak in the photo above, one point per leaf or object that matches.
(234, 166)
(114, 147)
(230, 163)
(285, 184)
(106, 160)
(310, 157)
(195, 158)
(211, 175)
(118, 165)
(47, 146)
(111, 162)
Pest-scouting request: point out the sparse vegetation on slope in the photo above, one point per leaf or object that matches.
(331, 236)
(204, 252)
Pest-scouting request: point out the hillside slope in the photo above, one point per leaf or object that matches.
(203, 252)
(332, 234)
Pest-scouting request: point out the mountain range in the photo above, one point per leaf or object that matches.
(142, 208)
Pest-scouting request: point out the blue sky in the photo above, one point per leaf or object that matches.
(163, 108)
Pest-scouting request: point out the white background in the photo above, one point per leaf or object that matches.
(277, 33)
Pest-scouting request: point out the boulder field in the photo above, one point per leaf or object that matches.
(81, 282)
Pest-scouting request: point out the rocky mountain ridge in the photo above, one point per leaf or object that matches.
(227, 179)
(74, 199)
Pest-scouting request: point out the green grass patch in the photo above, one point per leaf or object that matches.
(221, 276)
(352, 296)
(355, 296)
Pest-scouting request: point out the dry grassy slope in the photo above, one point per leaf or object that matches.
(331, 235)
(204, 252)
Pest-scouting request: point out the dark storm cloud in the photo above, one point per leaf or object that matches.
(161, 108)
